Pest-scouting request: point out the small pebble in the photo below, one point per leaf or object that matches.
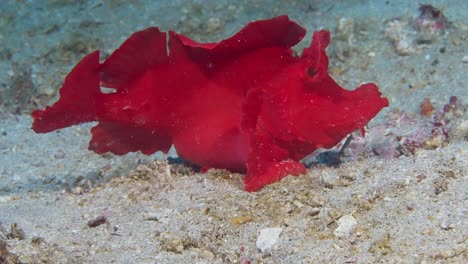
(346, 225)
(446, 226)
(98, 221)
(208, 255)
(426, 107)
(239, 220)
(465, 59)
(449, 253)
(6, 198)
(298, 204)
(268, 238)
(426, 232)
(171, 242)
(313, 211)
(461, 131)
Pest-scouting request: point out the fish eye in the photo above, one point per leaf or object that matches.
(311, 71)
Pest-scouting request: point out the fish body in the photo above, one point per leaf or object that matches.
(246, 103)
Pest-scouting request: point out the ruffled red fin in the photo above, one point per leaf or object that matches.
(247, 59)
(268, 162)
(80, 98)
(275, 32)
(301, 109)
(313, 108)
(120, 139)
(251, 110)
(316, 54)
(136, 117)
(128, 121)
(143, 51)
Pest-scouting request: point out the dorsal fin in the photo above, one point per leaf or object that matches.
(144, 50)
(275, 32)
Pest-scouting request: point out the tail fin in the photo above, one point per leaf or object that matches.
(78, 96)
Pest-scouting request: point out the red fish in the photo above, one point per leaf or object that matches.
(246, 103)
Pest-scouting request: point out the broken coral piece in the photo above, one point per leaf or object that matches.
(431, 20)
(246, 103)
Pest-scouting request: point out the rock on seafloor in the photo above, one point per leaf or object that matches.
(268, 238)
(346, 225)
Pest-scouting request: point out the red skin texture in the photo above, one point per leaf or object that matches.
(246, 104)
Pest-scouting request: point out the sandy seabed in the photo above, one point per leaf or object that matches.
(60, 203)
